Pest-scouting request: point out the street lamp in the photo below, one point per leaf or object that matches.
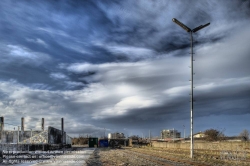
(191, 107)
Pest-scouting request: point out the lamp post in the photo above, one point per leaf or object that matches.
(192, 73)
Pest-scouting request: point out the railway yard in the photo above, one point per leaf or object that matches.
(161, 156)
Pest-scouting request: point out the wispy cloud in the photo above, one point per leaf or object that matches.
(38, 41)
(22, 54)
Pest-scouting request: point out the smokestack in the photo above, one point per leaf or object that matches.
(42, 124)
(62, 125)
(22, 124)
(2, 123)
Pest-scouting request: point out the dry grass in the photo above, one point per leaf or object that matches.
(158, 156)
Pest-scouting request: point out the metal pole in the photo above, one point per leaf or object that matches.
(191, 109)
(184, 132)
(191, 35)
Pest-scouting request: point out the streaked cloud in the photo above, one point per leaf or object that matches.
(58, 76)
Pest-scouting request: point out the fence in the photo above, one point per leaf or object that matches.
(205, 145)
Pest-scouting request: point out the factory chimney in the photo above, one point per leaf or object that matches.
(1, 123)
(42, 124)
(22, 124)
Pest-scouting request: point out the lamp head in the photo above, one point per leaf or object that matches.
(181, 25)
(200, 27)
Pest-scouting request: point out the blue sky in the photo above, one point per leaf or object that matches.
(124, 65)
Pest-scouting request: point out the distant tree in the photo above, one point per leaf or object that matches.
(79, 141)
(244, 135)
(75, 141)
(214, 135)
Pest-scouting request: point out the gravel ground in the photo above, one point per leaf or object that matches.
(126, 157)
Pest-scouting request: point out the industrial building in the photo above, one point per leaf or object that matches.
(170, 133)
(116, 136)
(51, 136)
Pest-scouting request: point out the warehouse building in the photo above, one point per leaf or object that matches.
(170, 133)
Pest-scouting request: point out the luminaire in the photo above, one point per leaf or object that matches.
(181, 25)
(186, 28)
(200, 27)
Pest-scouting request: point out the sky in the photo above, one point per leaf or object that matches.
(124, 65)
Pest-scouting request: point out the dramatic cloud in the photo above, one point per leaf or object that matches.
(124, 65)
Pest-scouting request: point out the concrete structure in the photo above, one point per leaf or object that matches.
(50, 136)
(11, 136)
(116, 136)
(170, 134)
(55, 136)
